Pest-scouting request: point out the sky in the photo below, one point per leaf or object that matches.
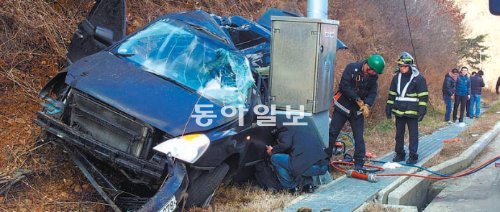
(478, 20)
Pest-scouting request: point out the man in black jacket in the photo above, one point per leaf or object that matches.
(298, 154)
(476, 85)
(357, 92)
(449, 84)
(407, 100)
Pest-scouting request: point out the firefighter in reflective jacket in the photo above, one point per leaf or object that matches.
(407, 100)
(357, 92)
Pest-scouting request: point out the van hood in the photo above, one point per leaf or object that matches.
(143, 95)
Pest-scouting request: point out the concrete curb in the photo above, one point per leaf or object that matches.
(383, 195)
(414, 190)
(400, 208)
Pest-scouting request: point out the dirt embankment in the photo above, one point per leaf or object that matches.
(34, 35)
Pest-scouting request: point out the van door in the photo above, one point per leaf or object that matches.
(104, 25)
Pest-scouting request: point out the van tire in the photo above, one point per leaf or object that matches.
(201, 191)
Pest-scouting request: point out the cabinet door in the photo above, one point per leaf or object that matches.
(323, 94)
(293, 55)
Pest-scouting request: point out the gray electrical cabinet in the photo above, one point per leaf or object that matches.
(303, 61)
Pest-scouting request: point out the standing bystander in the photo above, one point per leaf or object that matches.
(461, 95)
(449, 84)
(476, 84)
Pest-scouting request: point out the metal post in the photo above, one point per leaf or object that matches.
(317, 9)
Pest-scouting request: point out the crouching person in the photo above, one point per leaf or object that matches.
(296, 158)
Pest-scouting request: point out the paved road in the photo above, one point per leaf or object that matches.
(477, 192)
(347, 194)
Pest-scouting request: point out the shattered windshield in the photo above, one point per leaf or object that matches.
(176, 52)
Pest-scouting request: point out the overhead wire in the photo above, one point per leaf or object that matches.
(409, 30)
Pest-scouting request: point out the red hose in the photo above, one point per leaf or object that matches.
(335, 164)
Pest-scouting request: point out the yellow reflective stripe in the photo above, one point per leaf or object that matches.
(411, 94)
(408, 112)
(390, 102)
(392, 93)
(423, 94)
(422, 103)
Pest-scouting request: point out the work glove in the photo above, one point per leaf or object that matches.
(366, 111)
(360, 102)
(388, 112)
(364, 108)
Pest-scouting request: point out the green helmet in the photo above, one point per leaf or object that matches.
(377, 63)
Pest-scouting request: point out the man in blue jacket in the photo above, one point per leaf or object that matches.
(462, 94)
(449, 84)
(476, 85)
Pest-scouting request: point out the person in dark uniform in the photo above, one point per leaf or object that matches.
(296, 156)
(407, 100)
(357, 92)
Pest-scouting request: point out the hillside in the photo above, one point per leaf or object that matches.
(34, 36)
(477, 21)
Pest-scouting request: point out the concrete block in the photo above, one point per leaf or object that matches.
(401, 208)
(383, 195)
(414, 191)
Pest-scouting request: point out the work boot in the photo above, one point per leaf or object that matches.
(413, 159)
(358, 167)
(328, 151)
(308, 188)
(293, 190)
(398, 158)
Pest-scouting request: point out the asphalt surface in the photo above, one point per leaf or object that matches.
(476, 192)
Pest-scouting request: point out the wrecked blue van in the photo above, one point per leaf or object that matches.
(145, 116)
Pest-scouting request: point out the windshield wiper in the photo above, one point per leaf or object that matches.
(124, 54)
(175, 82)
(209, 32)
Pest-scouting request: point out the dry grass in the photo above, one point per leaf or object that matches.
(469, 136)
(53, 183)
(34, 35)
(248, 198)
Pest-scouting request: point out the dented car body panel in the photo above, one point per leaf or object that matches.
(134, 91)
(118, 100)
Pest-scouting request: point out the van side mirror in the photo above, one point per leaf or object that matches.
(495, 7)
(103, 35)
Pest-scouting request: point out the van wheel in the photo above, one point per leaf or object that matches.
(201, 191)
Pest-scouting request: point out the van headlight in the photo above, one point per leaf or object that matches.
(188, 148)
